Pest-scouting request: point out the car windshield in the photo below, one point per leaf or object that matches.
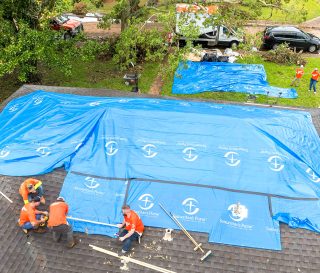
(61, 19)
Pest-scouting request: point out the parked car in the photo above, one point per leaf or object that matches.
(71, 27)
(294, 37)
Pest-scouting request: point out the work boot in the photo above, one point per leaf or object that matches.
(42, 200)
(71, 244)
(39, 230)
(25, 231)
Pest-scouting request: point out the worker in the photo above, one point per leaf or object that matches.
(133, 228)
(58, 222)
(31, 218)
(31, 188)
(314, 79)
(298, 76)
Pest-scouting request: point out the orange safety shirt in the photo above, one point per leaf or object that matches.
(23, 190)
(27, 214)
(299, 73)
(58, 214)
(134, 222)
(315, 75)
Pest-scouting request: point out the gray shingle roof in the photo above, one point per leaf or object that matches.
(20, 253)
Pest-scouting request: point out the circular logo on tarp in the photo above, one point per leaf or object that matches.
(190, 206)
(238, 212)
(94, 103)
(13, 108)
(232, 159)
(276, 163)
(149, 150)
(38, 100)
(4, 152)
(91, 183)
(112, 148)
(43, 151)
(190, 154)
(146, 201)
(312, 176)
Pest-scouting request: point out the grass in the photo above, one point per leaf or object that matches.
(277, 75)
(100, 74)
(311, 6)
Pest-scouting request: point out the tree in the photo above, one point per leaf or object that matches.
(26, 39)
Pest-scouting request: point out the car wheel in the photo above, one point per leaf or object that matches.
(67, 36)
(275, 46)
(312, 48)
(234, 44)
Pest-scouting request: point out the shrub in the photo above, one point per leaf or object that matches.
(284, 55)
(80, 8)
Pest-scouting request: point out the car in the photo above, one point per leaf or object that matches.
(71, 27)
(294, 37)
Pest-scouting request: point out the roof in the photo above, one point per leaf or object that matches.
(20, 253)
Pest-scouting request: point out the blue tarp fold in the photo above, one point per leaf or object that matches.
(197, 77)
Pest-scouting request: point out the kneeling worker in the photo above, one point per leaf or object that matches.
(133, 228)
(31, 218)
(31, 188)
(58, 221)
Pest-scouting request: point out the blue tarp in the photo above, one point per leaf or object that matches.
(205, 162)
(197, 77)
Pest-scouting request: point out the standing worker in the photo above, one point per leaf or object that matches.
(31, 188)
(31, 218)
(58, 222)
(314, 79)
(133, 228)
(297, 78)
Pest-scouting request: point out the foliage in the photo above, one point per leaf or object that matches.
(80, 8)
(27, 41)
(284, 55)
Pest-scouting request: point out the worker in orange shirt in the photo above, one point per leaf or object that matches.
(58, 221)
(298, 76)
(31, 188)
(133, 228)
(314, 79)
(31, 218)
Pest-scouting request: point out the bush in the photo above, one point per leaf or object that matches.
(98, 3)
(284, 55)
(80, 8)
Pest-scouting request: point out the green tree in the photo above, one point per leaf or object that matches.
(26, 39)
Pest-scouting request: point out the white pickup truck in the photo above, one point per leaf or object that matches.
(212, 35)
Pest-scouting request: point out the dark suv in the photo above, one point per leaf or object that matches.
(296, 38)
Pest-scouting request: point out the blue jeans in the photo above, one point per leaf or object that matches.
(39, 192)
(128, 242)
(28, 225)
(313, 84)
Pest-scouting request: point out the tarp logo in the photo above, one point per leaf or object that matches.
(190, 206)
(13, 108)
(276, 163)
(238, 212)
(146, 201)
(44, 151)
(95, 103)
(231, 159)
(149, 150)
(190, 154)
(112, 148)
(312, 176)
(4, 152)
(38, 100)
(91, 183)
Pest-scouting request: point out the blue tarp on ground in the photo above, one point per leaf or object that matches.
(197, 77)
(198, 159)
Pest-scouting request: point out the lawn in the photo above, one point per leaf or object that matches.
(278, 75)
(311, 6)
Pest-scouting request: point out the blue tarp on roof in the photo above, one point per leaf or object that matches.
(197, 77)
(218, 168)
